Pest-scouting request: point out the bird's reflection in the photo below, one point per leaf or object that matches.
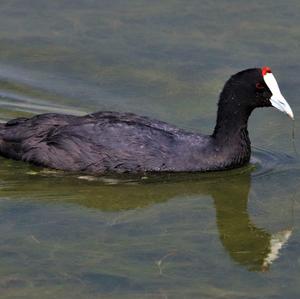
(247, 244)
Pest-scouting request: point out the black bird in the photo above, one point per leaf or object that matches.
(108, 142)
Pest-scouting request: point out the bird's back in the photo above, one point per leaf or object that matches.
(98, 143)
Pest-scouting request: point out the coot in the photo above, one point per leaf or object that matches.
(105, 142)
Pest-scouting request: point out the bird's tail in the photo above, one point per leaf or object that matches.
(2, 130)
(2, 127)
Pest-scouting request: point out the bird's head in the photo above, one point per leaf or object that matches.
(253, 88)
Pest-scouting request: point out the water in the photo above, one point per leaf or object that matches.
(222, 235)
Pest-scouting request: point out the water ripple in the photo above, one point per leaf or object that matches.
(14, 101)
(268, 162)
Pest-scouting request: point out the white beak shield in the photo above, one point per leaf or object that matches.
(277, 99)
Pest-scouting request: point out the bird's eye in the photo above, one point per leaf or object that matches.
(259, 86)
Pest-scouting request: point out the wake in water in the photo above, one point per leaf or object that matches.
(266, 162)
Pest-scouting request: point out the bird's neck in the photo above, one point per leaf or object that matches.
(231, 134)
(231, 125)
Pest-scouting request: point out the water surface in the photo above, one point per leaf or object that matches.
(222, 235)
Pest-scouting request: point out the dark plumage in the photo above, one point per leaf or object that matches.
(123, 142)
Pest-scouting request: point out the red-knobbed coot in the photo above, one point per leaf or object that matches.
(104, 142)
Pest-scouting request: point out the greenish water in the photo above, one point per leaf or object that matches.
(230, 235)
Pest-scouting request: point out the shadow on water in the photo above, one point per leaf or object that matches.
(247, 244)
